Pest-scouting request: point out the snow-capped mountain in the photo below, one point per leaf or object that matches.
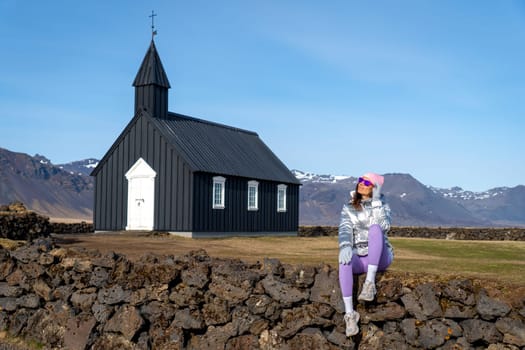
(307, 176)
(503, 205)
(80, 167)
(412, 203)
(457, 193)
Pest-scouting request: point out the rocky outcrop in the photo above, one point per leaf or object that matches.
(18, 223)
(80, 299)
(459, 233)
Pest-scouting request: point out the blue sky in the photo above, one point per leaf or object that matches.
(430, 88)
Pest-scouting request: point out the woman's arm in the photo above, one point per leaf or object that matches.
(380, 215)
(346, 236)
(346, 231)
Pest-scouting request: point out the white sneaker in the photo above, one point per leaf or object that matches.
(368, 292)
(351, 320)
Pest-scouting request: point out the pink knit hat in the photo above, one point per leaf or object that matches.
(377, 179)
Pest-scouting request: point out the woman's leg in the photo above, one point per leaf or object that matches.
(378, 255)
(346, 282)
(375, 244)
(346, 278)
(378, 259)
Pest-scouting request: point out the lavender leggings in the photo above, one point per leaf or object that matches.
(377, 255)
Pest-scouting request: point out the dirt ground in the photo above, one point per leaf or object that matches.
(135, 244)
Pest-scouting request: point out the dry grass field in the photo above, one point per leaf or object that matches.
(497, 261)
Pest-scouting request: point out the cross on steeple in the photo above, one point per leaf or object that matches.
(153, 31)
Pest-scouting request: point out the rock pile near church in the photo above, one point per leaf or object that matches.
(80, 299)
(18, 223)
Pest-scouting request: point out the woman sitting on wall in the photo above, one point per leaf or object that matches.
(363, 243)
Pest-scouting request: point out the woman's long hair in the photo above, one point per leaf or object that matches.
(356, 200)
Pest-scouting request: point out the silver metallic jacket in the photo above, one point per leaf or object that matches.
(353, 229)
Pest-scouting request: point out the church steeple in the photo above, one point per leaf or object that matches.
(151, 85)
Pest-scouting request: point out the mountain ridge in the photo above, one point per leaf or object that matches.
(412, 203)
(66, 191)
(44, 187)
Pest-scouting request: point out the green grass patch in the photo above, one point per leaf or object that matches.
(498, 260)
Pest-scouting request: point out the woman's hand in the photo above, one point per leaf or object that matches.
(345, 255)
(376, 193)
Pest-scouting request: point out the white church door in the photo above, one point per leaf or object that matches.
(141, 196)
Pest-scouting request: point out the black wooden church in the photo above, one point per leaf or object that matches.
(188, 176)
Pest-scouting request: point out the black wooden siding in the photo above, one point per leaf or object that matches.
(236, 217)
(153, 98)
(173, 183)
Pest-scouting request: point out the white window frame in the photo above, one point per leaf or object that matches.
(253, 184)
(218, 203)
(281, 192)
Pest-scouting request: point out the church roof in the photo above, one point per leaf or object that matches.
(214, 148)
(221, 149)
(151, 71)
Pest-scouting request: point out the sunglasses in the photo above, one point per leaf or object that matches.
(365, 182)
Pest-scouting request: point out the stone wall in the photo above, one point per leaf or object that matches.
(81, 299)
(17, 223)
(459, 233)
(79, 227)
